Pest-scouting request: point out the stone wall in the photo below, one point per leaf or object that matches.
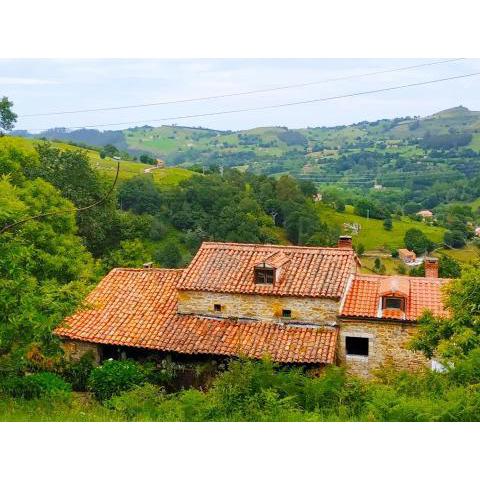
(260, 307)
(387, 344)
(75, 349)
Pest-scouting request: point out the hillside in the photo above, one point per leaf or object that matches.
(372, 235)
(444, 146)
(164, 177)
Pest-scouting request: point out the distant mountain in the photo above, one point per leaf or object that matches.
(184, 145)
(81, 136)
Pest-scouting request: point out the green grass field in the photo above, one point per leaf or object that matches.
(372, 234)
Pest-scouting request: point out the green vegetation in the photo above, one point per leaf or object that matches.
(261, 391)
(372, 234)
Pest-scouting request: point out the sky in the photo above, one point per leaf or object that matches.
(52, 85)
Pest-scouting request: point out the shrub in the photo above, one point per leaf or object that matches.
(35, 385)
(139, 403)
(114, 377)
(77, 373)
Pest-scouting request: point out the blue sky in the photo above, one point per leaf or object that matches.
(38, 86)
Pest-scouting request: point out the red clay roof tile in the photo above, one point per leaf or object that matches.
(138, 308)
(364, 294)
(306, 271)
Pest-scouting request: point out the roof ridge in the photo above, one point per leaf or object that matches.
(269, 245)
(140, 269)
(373, 276)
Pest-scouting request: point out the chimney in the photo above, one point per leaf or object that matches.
(431, 267)
(344, 241)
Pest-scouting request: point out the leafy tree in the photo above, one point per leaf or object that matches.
(148, 159)
(417, 241)
(44, 269)
(70, 171)
(308, 188)
(448, 267)
(458, 334)
(169, 255)
(387, 224)
(339, 205)
(140, 195)
(131, 253)
(7, 117)
(454, 239)
(110, 151)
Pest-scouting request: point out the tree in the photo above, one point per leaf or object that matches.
(7, 117)
(132, 253)
(70, 171)
(360, 249)
(140, 195)
(416, 240)
(448, 267)
(458, 334)
(145, 158)
(44, 268)
(454, 239)
(387, 224)
(169, 255)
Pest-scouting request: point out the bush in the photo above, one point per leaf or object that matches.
(114, 377)
(77, 373)
(139, 403)
(35, 385)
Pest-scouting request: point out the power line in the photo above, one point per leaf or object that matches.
(237, 94)
(281, 105)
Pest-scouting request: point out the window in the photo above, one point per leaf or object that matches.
(264, 276)
(393, 302)
(356, 346)
(286, 313)
(217, 307)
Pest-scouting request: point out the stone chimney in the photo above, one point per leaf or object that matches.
(344, 242)
(431, 267)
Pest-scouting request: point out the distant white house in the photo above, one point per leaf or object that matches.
(425, 214)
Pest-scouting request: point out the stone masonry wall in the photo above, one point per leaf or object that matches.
(74, 349)
(387, 345)
(260, 307)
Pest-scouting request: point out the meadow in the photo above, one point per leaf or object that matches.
(373, 235)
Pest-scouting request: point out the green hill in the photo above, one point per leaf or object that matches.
(169, 176)
(372, 234)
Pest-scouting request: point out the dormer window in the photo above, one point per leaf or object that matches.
(393, 303)
(264, 276)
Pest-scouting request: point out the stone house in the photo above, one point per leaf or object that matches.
(299, 305)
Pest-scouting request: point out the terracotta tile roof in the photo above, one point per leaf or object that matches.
(364, 294)
(309, 271)
(137, 307)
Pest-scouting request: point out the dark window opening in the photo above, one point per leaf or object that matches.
(393, 302)
(286, 313)
(356, 346)
(217, 307)
(264, 276)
